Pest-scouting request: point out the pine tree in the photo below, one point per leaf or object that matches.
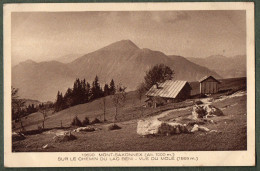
(96, 89)
(112, 87)
(87, 92)
(106, 90)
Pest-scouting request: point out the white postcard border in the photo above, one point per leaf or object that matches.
(205, 158)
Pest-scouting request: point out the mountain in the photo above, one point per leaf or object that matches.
(30, 102)
(41, 81)
(123, 61)
(68, 58)
(226, 67)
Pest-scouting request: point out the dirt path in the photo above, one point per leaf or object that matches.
(163, 114)
(208, 100)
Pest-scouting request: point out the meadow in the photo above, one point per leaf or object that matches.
(230, 135)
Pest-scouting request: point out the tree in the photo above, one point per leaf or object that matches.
(87, 92)
(118, 99)
(17, 107)
(59, 104)
(159, 73)
(106, 90)
(96, 89)
(30, 109)
(43, 110)
(112, 87)
(103, 107)
(140, 91)
(68, 98)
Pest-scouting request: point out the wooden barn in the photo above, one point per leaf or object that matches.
(168, 92)
(209, 85)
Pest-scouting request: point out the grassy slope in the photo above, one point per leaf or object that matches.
(231, 135)
(131, 109)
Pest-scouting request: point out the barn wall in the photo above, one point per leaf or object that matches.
(209, 86)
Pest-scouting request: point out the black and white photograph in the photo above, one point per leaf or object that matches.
(125, 80)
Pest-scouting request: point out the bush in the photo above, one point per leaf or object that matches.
(76, 122)
(96, 120)
(166, 129)
(85, 121)
(113, 127)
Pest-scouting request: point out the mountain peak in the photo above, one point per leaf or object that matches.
(122, 45)
(28, 61)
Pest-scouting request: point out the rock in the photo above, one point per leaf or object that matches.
(146, 127)
(45, 146)
(154, 126)
(199, 128)
(195, 128)
(211, 121)
(17, 136)
(64, 138)
(212, 110)
(204, 129)
(211, 131)
(205, 111)
(198, 112)
(61, 132)
(86, 129)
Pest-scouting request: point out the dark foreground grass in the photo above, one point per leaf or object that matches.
(230, 135)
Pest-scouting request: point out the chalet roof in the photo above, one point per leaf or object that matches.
(167, 89)
(207, 77)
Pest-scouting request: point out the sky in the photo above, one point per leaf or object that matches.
(42, 36)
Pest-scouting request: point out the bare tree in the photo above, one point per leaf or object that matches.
(140, 93)
(17, 106)
(119, 99)
(103, 107)
(44, 111)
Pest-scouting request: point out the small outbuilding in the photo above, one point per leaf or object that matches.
(167, 92)
(209, 85)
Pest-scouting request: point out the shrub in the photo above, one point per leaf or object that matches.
(198, 112)
(96, 120)
(113, 127)
(166, 129)
(85, 121)
(76, 122)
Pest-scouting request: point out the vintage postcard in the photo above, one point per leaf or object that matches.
(129, 84)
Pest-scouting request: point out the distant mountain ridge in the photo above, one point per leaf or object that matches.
(123, 61)
(226, 67)
(68, 58)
